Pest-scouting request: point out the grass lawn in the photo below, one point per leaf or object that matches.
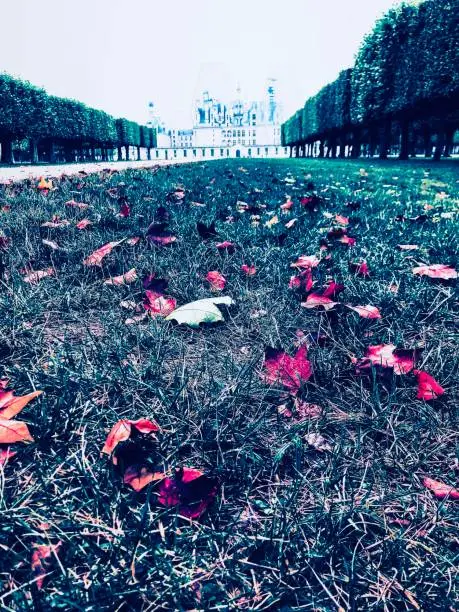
(313, 494)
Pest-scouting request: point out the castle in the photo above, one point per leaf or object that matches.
(235, 129)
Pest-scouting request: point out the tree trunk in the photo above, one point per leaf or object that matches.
(51, 153)
(291, 151)
(126, 148)
(7, 151)
(384, 140)
(404, 139)
(138, 153)
(33, 151)
(321, 148)
(342, 147)
(68, 153)
(356, 144)
(149, 153)
(449, 142)
(440, 144)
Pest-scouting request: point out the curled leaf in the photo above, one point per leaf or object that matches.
(201, 311)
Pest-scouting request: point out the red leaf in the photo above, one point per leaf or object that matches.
(138, 477)
(347, 240)
(291, 372)
(315, 299)
(248, 270)
(216, 280)
(287, 205)
(35, 277)
(124, 279)
(360, 268)
(41, 558)
(95, 259)
(436, 271)
(5, 455)
(13, 431)
(159, 305)
(226, 246)
(367, 312)
(388, 356)
(302, 281)
(10, 405)
(428, 388)
(190, 490)
(125, 210)
(341, 220)
(79, 205)
(306, 261)
(440, 489)
(83, 224)
(121, 431)
(332, 289)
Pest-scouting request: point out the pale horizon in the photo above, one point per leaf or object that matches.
(118, 58)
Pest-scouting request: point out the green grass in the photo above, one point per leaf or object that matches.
(291, 528)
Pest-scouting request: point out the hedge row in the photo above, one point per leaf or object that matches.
(27, 111)
(407, 68)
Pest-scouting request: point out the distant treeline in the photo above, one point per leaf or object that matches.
(48, 128)
(402, 95)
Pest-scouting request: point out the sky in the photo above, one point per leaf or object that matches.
(117, 55)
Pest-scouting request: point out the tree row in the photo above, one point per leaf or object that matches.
(402, 95)
(43, 127)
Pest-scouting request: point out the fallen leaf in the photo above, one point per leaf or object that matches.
(287, 204)
(160, 235)
(226, 246)
(41, 558)
(344, 221)
(206, 231)
(314, 300)
(45, 185)
(388, 356)
(121, 431)
(367, 312)
(125, 210)
(80, 205)
(347, 240)
(291, 223)
(13, 431)
(35, 277)
(200, 311)
(95, 259)
(51, 244)
(306, 261)
(436, 271)
(5, 455)
(408, 247)
(290, 372)
(216, 280)
(158, 305)
(11, 405)
(124, 279)
(83, 224)
(139, 477)
(273, 221)
(318, 442)
(190, 490)
(428, 387)
(360, 268)
(248, 270)
(56, 222)
(302, 281)
(440, 489)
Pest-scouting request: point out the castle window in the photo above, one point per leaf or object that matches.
(185, 153)
(212, 152)
(258, 151)
(250, 152)
(221, 152)
(243, 133)
(203, 152)
(194, 152)
(157, 153)
(175, 153)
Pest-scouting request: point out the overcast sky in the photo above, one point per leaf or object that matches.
(118, 54)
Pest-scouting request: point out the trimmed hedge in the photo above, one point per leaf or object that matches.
(27, 111)
(406, 68)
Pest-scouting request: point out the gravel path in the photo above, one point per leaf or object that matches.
(19, 173)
